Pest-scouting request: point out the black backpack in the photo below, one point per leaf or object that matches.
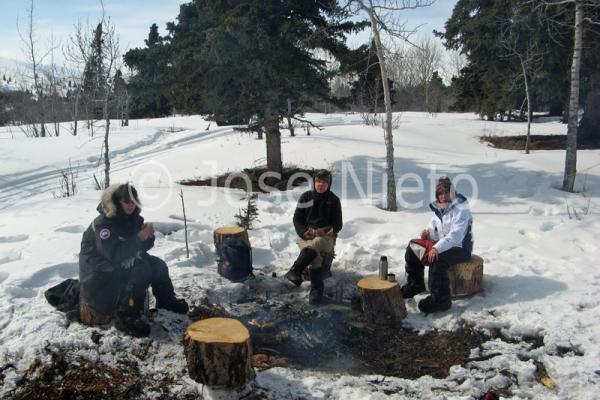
(235, 260)
(65, 297)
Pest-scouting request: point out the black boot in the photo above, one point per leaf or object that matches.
(316, 286)
(415, 275)
(306, 256)
(131, 324)
(179, 306)
(129, 317)
(439, 300)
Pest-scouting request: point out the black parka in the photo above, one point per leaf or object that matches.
(318, 210)
(109, 245)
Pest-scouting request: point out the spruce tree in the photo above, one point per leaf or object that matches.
(149, 84)
(239, 59)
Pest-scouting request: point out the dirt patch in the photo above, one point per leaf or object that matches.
(336, 339)
(290, 178)
(407, 354)
(68, 377)
(537, 142)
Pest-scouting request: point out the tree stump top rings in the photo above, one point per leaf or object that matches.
(374, 283)
(218, 330)
(230, 230)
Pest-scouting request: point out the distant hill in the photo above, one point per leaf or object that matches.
(11, 72)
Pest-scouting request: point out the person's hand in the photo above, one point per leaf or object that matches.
(309, 234)
(432, 255)
(425, 234)
(146, 231)
(321, 232)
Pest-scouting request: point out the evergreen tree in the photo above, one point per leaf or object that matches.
(149, 85)
(487, 84)
(366, 90)
(248, 215)
(239, 59)
(93, 85)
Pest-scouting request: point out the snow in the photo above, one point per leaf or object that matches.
(539, 243)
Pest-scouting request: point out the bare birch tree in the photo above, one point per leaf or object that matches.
(106, 52)
(585, 10)
(426, 59)
(31, 50)
(519, 43)
(382, 15)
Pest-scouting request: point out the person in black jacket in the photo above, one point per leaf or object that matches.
(317, 220)
(115, 268)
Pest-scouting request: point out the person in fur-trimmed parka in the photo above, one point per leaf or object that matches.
(115, 268)
(448, 240)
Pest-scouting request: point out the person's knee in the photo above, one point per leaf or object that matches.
(141, 273)
(322, 244)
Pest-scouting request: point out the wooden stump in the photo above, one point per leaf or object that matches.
(218, 352)
(381, 300)
(220, 234)
(466, 278)
(90, 317)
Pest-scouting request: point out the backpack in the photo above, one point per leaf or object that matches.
(235, 260)
(65, 297)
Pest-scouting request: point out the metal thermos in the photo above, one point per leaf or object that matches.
(383, 268)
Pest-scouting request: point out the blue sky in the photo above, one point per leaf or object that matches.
(132, 19)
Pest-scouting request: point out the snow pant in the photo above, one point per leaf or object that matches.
(323, 245)
(149, 271)
(439, 282)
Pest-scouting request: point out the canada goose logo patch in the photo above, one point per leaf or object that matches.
(104, 234)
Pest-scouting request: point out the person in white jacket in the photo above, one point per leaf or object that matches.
(448, 240)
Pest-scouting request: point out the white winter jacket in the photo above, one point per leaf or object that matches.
(452, 227)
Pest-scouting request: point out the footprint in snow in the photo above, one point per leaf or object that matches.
(71, 229)
(528, 234)
(547, 226)
(9, 257)
(13, 239)
(41, 277)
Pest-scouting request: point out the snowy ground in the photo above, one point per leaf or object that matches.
(541, 274)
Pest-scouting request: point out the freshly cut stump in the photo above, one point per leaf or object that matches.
(382, 301)
(466, 278)
(220, 234)
(218, 352)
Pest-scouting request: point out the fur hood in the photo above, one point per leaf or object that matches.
(108, 205)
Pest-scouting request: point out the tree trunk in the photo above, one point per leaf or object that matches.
(389, 139)
(127, 110)
(590, 123)
(106, 159)
(571, 155)
(273, 141)
(289, 117)
(528, 95)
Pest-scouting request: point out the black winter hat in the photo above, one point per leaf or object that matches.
(127, 193)
(323, 175)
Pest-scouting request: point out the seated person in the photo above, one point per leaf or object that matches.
(115, 268)
(448, 240)
(317, 220)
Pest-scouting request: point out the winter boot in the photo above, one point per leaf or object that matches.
(439, 300)
(306, 256)
(129, 317)
(134, 325)
(316, 286)
(179, 306)
(415, 275)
